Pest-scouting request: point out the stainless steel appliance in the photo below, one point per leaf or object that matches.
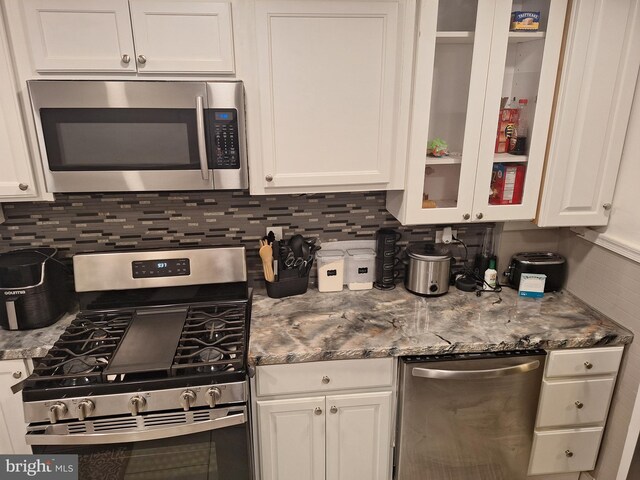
(150, 379)
(427, 268)
(553, 265)
(98, 136)
(35, 288)
(468, 416)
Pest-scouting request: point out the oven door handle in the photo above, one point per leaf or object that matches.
(133, 435)
(474, 374)
(202, 144)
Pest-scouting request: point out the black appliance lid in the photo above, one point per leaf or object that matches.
(26, 257)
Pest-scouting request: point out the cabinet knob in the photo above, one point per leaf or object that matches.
(269, 178)
(466, 216)
(142, 59)
(325, 380)
(17, 374)
(588, 365)
(317, 411)
(607, 206)
(23, 186)
(334, 409)
(579, 404)
(479, 215)
(126, 59)
(568, 453)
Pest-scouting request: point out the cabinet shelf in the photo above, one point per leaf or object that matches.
(508, 158)
(521, 37)
(448, 160)
(454, 37)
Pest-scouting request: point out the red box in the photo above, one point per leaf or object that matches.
(507, 123)
(507, 183)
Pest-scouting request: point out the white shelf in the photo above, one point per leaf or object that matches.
(454, 37)
(520, 37)
(447, 160)
(444, 203)
(508, 158)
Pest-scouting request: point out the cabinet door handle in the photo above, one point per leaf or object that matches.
(23, 186)
(479, 215)
(126, 59)
(466, 216)
(334, 409)
(269, 178)
(17, 374)
(588, 365)
(607, 206)
(142, 59)
(317, 411)
(325, 380)
(568, 453)
(579, 404)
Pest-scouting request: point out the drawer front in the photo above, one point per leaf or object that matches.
(574, 402)
(589, 361)
(324, 376)
(564, 450)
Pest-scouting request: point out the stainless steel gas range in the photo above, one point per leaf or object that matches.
(149, 380)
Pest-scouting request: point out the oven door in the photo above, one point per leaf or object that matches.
(101, 136)
(205, 444)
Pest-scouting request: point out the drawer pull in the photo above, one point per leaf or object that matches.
(588, 365)
(568, 453)
(317, 411)
(579, 404)
(325, 380)
(334, 409)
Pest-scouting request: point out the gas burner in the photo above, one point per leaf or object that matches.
(77, 370)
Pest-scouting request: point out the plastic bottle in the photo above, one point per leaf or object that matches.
(490, 276)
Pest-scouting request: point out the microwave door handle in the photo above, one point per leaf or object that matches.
(474, 374)
(202, 144)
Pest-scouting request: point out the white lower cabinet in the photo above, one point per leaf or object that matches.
(12, 426)
(333, 432)
(572, 412)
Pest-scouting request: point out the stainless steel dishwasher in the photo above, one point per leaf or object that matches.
(467, 416)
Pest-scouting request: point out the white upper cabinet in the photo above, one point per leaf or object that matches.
(200, 39)
(594, 102)
(329, 93)
(17, 181)
(171, 36)
(471, 76)
(80, 35)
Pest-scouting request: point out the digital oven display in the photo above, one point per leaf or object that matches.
(160, 268)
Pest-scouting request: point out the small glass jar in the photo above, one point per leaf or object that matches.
(330, 270)
(360, 268)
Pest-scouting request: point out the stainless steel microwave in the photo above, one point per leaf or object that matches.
(110, 136)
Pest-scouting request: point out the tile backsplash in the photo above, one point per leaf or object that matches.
(99, 222)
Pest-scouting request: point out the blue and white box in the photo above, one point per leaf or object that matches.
(532, 285)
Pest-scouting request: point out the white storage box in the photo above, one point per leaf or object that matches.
(360, 268)
(330, 270)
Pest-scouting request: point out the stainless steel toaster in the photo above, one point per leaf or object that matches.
(553, 265)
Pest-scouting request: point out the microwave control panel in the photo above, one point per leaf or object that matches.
(224, 144)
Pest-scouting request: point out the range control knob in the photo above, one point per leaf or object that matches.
(56, 411)
(85, 407)
(213, 396)
(136, 403)
(187, 398)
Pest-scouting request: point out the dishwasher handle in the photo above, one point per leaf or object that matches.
(475, 374)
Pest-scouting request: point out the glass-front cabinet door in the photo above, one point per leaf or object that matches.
(525, 51)
(483, 91)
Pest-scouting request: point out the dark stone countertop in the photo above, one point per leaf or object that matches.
(32, 343)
